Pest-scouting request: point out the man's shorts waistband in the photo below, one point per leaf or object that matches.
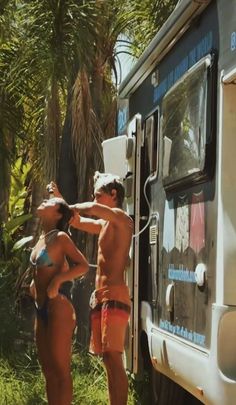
(116, 293)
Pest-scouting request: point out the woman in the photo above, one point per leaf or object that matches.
(55, 316)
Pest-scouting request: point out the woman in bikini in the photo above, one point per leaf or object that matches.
(55, 316)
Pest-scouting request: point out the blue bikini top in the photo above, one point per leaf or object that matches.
(42, 259)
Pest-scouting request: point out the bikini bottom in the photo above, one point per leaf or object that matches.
(42, 312)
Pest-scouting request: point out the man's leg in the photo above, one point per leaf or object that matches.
(114, 320)
(116, 377)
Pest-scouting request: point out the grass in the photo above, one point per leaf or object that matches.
(21, 382)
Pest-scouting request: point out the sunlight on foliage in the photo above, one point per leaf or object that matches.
(18, 193)
(22, 383)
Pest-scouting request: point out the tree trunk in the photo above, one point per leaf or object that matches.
(36, 194)
(67, 180)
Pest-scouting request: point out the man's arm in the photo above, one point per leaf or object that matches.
(86, 224)
(83, 224)
(115, 215)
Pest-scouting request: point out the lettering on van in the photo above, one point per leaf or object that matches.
(195, 54)
(183, 332)
(181, 275)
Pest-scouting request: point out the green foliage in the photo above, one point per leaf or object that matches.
(22, 383)
(14, 259)
(150, 15)
(11, 231)
(43, 44)
(11, 322)
(19, 173)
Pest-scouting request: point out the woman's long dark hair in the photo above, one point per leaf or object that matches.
(67, 214)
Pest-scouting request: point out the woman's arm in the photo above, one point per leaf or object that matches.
(80, 267)
(32, 289)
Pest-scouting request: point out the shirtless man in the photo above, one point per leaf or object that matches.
(110, 302)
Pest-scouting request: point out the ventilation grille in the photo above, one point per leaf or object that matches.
(152, 234)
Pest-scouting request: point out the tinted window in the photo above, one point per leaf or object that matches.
(184, 126)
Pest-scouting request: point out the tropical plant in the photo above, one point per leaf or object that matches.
(14, 255)
(56, 61)
(58, 93)
(14, 258)
(150, 16)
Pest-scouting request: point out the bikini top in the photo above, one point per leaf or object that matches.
(42, 259)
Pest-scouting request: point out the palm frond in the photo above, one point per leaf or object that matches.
(86, 134)
(52, 133)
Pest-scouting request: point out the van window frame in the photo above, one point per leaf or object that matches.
(155, 138)
(208, 168)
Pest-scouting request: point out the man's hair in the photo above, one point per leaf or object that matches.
(108, 182)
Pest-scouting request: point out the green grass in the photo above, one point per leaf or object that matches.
(21, 382)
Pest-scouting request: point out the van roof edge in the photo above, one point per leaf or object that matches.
(174, 27)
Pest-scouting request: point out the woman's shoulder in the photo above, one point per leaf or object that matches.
(61, 234)
(55, 236)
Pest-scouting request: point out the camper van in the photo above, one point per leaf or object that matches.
(175, 150)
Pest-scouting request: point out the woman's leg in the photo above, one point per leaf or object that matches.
(45, 360)
(55, 356)
(61, 324)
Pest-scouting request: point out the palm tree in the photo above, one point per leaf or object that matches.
(57, 92)
(150, 16)
(62, 54)
(11, 120)
(91, 117)
(41, 59)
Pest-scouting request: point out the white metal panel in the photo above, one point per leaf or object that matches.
(201, 372)
(136, 245)
(114, 155)
(227, 190)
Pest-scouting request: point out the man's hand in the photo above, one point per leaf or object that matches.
(52, 188)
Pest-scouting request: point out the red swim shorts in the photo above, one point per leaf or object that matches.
(109, 319)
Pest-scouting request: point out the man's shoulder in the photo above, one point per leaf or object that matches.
(123, 216)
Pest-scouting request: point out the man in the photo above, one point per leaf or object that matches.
(110, 302)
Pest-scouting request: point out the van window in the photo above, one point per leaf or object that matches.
(184, 126)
